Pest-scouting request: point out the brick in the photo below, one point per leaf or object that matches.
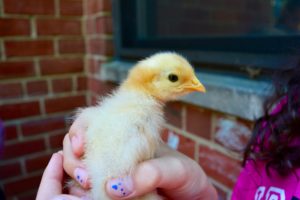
(10, 132)
(16, 69)
(10, 90)
(44, 7)
(94, 66)
(100, 87)
(173, 113)
(10, 170)
(37, 163)
(81, 83)
(198, 121)
(96, 6)
(42, 125)
(23, 148)
(33, 48)
(61, 66)
(19, 110)
(100, 46)
(100, 25)
(56, 141)
(90, 25)
(222, 195)
(58, 27)
(14, 27)
(35, 88)
(232, 134)
(94, 99)
(219, 166)
(71, 46)
(71, 7)
(104, 25)
(62, 85)
(22, 185)
(28, 195)
(69, 103)
(185, 145)
(164, 135)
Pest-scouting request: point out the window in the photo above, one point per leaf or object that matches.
(253, 33)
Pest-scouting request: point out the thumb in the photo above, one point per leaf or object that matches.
(51, 183)
(147, 177)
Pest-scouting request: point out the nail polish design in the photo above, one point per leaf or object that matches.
(81, 176)
(120, 187)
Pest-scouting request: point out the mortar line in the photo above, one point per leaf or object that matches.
(2, 50)
(204, 142)
(2, 8)
(33, 29)
(57, 8)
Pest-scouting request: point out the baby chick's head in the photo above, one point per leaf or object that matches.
(165, 76)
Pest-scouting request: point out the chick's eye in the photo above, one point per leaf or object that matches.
(173, 77)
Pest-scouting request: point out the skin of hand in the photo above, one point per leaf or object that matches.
(51, 184)
(175, 175)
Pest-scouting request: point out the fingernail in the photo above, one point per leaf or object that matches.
(120, 187)
(81, 176)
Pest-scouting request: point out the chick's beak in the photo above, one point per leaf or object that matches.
(195, 85)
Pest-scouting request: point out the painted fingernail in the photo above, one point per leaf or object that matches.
(120, 187)
(81, 176)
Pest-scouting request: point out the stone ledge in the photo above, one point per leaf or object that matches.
(232, 95)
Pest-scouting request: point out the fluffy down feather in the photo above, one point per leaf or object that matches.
(123, 129)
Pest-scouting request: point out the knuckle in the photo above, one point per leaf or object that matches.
(153, 169)
(182, 168)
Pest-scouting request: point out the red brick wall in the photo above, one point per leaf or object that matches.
(42, 80)
(213, 139)
(98, 29)
(51, 54)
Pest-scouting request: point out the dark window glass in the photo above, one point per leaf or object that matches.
(259, 33)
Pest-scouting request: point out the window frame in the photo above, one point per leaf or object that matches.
(245, 51)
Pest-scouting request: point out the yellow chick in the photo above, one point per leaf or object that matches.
(124, 128)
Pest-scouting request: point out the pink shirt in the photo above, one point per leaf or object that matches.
(254, 183)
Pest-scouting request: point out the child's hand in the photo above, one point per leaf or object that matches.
(73, 149)
(172, 173)
(51, 184)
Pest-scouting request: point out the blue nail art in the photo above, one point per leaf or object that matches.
(115, 187)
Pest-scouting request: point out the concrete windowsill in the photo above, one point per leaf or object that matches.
(228, 94)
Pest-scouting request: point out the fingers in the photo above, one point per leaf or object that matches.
(51, 183)
(76, 134)
(65, 197)
(148, 176)
(73, 165)
(177, 176)
(77, 191)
